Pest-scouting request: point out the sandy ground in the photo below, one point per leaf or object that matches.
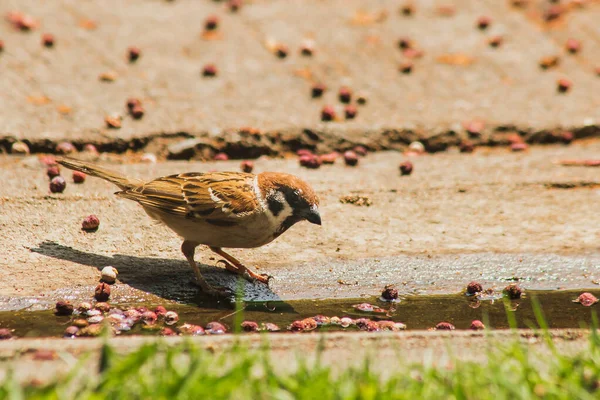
(56, 94)
(493, 215)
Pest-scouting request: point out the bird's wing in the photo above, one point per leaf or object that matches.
(221, 198)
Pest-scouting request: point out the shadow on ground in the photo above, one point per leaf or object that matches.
(170, 279)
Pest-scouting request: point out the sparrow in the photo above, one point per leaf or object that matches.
(218, 209)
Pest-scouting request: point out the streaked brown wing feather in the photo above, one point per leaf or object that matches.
(216, 196)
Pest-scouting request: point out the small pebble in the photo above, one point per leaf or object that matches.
(58, 184)
(80, 323)
(90, 223)
(322, 320)
(19, 148)
(109, 274)
(346, 322)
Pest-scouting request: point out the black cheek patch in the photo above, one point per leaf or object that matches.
(274, 206)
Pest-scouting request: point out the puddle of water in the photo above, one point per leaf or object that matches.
(417, 312)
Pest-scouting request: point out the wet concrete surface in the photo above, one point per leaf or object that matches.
(492, 216)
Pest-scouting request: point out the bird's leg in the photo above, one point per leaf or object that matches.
(239, 268)
(188, 249)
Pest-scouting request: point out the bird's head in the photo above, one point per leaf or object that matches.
(289, 198)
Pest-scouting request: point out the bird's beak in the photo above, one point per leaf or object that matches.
(313, 216)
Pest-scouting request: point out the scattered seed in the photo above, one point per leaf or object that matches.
(249, 326)
(71, 332)
(247, 166)
(171, 318)
(134, 54)
(549, 62)
(149, 317)
(48, 40)
(221, 157)
(281, 51)
(406, 168)
(328, 158)
(520, 146)
(270, 327)
(5, 334)
(483, 22)
(194, 330)
(350, 111)
(215, 328)
(211, 23)
(513, 291)
(477, 325)
(573, 46)
(586, 299)
(209, 70)
(310, 161)
(390, 293)
(65, 148)
(474, 288)
(90, 223)
(57, 184)
(406, 67)
(63, 307)
(327, 113)
(234, 5)
(563, 85)
(78, 177)
(345, 95)
(317, 90)
(444, 326)
(137, 112)
(495, 41)
(350, 158)
(102, 292)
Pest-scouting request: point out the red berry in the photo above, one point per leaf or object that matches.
(78, 177)
(406, 168)
(477, 325)
(58, 184)
(90, 223)
(350, 158)
(247, 166)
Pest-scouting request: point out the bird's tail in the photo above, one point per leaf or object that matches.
(121, 181)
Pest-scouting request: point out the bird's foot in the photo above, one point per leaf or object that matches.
(247, 274)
